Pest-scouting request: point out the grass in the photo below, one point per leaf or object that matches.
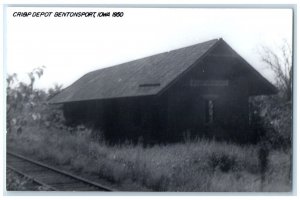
(200, 165)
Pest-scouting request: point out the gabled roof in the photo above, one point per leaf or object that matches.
(145, 76)
(142, 77)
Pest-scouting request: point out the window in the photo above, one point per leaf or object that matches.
(209, 111)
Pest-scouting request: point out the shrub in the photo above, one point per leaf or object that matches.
(275, 115)
(27, 105)
(222, 161)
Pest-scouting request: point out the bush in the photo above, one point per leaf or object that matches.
(222, 161)
(275, 115)
(27, 105)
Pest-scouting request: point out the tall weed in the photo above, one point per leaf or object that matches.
(200, 165)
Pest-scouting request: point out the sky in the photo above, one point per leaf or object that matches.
(70, 47)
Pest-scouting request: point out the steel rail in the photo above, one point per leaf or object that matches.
(59, 171)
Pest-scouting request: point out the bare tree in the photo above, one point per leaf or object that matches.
(280, 62)
(275, 111)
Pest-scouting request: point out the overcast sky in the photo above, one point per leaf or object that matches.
(71, 47)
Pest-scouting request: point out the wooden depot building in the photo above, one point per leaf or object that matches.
(202, 90)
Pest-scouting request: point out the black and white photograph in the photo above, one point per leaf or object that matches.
(149, 99)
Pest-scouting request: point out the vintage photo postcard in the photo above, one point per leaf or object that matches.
(149, 99)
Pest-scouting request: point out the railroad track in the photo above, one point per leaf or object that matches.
(50, 177)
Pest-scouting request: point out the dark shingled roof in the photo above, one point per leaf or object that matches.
(145, 76)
